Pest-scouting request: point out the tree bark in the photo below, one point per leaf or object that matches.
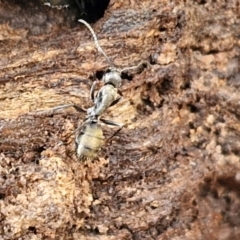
(172, 172)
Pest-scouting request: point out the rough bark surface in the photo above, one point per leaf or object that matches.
(172, 173)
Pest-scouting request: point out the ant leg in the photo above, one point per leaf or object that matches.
(50, 111)
(120, 93)
(115, 101)
(61, 107)
(78, 131)
(92, 91)
(115, 133)
(78, 108)
(137, 66)
(112, 123)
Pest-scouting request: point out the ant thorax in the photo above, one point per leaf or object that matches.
(103, 100)
(113, 77)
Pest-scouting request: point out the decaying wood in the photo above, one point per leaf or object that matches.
(172, 173)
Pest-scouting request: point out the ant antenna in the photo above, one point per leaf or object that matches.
(136, 67)
(96, 41)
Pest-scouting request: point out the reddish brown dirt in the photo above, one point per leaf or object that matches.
(172, 173)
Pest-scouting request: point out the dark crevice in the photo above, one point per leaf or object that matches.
(2, 195)
(91, 10)
(193, 108)
(201, 2)
(127, 76)
(32, 229)
(39, 149)
(230, 183)
(186, 85)
(98, 75)
(203, 52)
(165, 86)
(162, 29)
(152, 59)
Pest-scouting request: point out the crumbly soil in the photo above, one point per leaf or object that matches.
(172, 173)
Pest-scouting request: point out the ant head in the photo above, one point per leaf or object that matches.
(113, 76)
